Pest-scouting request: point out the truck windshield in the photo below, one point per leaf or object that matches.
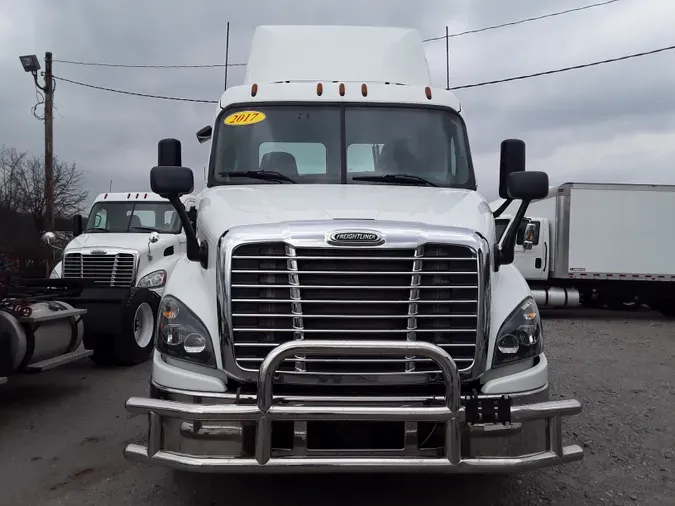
(133, 217)
(322, 144)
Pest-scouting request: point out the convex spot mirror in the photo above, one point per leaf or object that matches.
(528, 186)
(168, 181)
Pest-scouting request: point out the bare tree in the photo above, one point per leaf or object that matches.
(11, 163)
(23, 186)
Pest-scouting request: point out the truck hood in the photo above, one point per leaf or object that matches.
(224, 207)
(103, 240)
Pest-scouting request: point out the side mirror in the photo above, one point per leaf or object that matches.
(171, 182)
(527, 186)
(169, 153)
(77, 227)
(511, 160)
(528, 239)
(204, 134)
(49, 238)
(153, 237)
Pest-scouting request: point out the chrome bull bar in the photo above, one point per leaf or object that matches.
(452, 415)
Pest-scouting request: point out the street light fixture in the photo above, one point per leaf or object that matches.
(30, 63)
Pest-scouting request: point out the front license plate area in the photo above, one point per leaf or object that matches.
(337, 436)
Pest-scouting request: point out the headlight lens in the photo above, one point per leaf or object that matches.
(182, 335)
(520, 336)
(155, 279)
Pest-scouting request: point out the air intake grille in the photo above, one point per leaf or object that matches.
(280, 293)
(104, 269)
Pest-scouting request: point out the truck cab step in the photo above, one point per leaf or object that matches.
(51, 363)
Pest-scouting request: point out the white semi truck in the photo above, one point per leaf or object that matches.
(343, 304)
(585, 245)
(124, 253)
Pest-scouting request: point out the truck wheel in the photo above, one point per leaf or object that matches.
(135, 343)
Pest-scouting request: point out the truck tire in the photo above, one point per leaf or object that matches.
(134, 344)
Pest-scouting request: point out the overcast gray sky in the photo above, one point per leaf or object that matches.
(614, 123)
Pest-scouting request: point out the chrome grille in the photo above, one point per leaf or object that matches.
(104, 269)
(280, 293)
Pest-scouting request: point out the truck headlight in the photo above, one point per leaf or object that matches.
(181, 335)
(520, 336)
(155, 279)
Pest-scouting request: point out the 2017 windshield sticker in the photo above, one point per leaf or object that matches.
(243, 118)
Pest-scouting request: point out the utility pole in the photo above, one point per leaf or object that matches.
(31, 64)
(49, 141)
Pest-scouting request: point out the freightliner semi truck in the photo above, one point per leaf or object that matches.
(343, 304)
(123, 253)
(585, 245)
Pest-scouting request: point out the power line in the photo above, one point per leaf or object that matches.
(432, 39)
(564, 69)
(462, 87)
(133, 93)
(525, 20)
(131, 66)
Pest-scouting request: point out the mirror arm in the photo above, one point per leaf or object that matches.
(192, 242)
(498, 212)
(506, 250)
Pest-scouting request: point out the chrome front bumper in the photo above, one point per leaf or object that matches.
(165, 414)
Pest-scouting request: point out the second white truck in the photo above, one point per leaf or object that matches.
(123, 252)
(598, 244)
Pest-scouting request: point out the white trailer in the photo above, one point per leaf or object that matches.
(123, 252)
(595, 244)
(343, 304)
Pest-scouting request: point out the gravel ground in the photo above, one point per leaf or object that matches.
(62, 434)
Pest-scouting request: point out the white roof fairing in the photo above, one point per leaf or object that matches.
(337, 53)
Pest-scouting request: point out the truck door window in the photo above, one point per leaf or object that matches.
(146, 218)
(363, 157)
(100, 219)
(310, 157)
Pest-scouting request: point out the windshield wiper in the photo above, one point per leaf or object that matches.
(267, 175)
(396, 179)
(145, 229)
(95, 229)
